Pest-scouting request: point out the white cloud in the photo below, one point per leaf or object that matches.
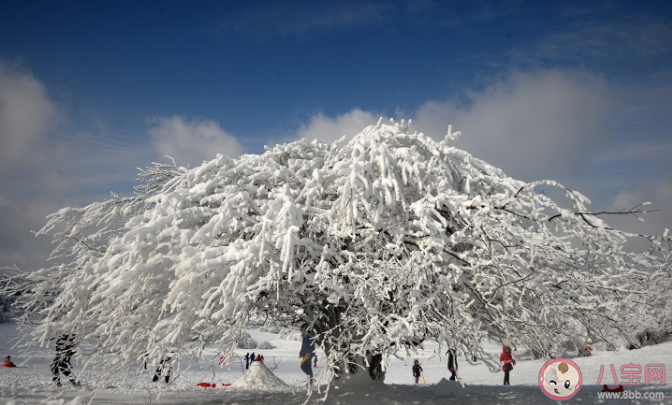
(67, 171)
(532, 125)
(18, 246)
(328, 130)
(657, 191)
(586, 40)
(26, 116)
(192, 142)
(658, 149)
(660, 193)
(295, 19)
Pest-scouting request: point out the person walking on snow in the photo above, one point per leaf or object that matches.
(314, 360)
(252, 357)
(65, 349)
(307, 351)
(507, 361)
(452, 363)
(417, 370)
(247, 361)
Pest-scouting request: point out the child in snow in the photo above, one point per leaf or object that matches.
(452, 363)
(417, 370)
(507, 361)
(8, 362)
(587, 351)
(307, 351)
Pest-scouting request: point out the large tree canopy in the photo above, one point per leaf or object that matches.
(387, 239)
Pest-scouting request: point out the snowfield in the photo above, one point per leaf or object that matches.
(280, 381)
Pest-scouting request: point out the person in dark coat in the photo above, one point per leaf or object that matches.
(65, 349)
(452, 363)
(417, 370)
(247, 361)
(164, 368)
(252, 357)
(307, 351)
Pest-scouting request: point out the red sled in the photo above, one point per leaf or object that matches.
(4, 365)
(208, 385)
(605, 388)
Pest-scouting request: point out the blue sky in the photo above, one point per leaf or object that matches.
(579, 92)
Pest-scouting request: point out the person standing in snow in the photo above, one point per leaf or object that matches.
(452, 363)
(247, 361)
(314, 360)
(164, 364)
(65, 349)
(417, 370)
(307, 351)
(252, 357)
(143, 358)
(507, 361)
(587, 351)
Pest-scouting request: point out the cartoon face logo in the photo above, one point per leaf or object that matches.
(560, 379)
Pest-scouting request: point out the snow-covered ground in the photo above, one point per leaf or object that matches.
(30, 382)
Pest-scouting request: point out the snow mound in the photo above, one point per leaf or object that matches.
(360, 389)
(445, 386)
(259, 377)
(445, 383)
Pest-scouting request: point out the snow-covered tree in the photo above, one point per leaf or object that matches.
(381, 242)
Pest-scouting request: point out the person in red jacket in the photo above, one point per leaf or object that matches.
(507, 363)
(8, 362)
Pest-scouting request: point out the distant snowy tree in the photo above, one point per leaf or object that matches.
(377, 244)
(246, 342)
(654, 330)
(13, 284)
(264, 345)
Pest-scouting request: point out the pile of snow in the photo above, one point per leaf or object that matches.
(360, 389)
(260, 378)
